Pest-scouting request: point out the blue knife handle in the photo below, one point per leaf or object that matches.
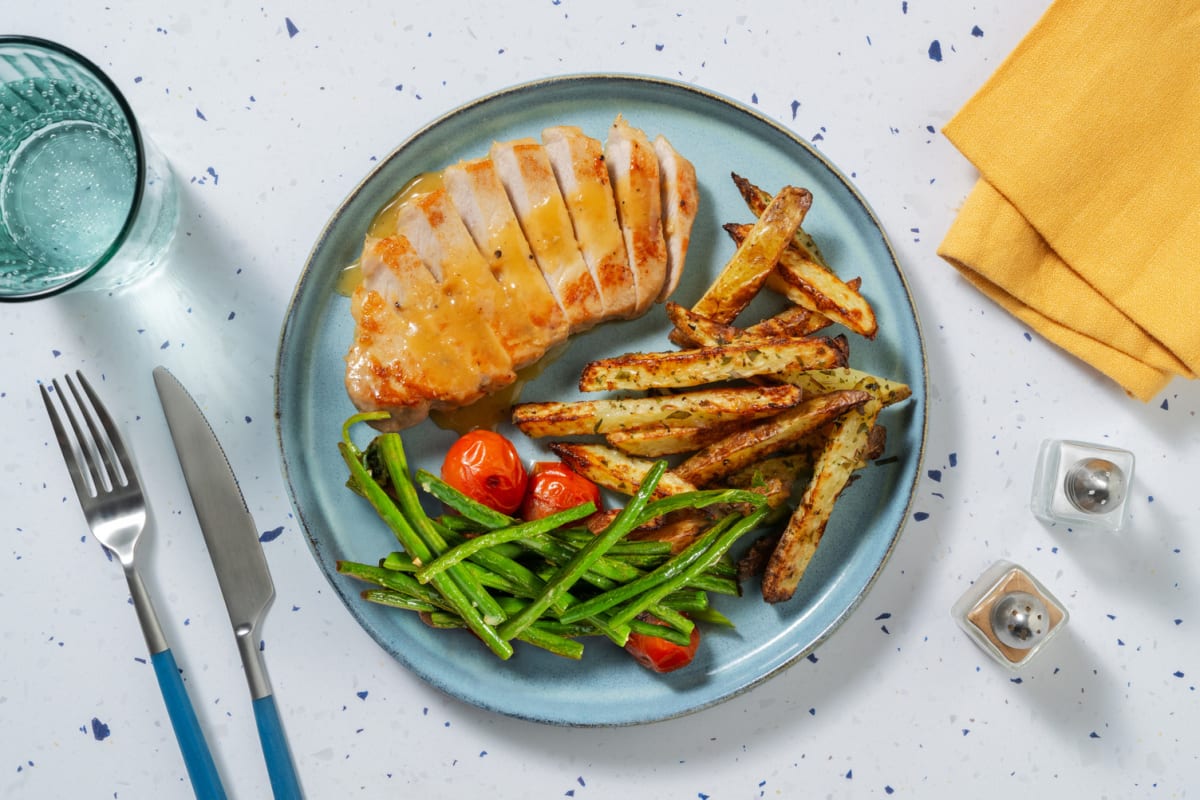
(196, 756)
(284, 782)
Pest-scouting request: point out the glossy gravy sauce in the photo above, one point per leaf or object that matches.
(384, 224)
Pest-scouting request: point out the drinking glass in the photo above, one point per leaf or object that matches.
(86, 199)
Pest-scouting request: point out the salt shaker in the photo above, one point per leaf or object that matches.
(1081, 484)
(1009, 614)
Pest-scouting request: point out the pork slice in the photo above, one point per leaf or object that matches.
(439, 236)
(524, 170)
(578, 164)
(412, 349)
(633, 171)
(680, 202)
(479, 197)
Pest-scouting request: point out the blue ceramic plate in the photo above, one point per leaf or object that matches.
(607, 687)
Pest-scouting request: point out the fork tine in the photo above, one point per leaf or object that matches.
(74, 469)
(110, 443)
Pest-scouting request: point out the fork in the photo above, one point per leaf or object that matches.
(115, 508)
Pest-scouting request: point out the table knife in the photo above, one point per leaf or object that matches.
(238, 559)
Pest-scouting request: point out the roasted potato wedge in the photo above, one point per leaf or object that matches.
(819, 381)
(684, 368)
(758, 251)
(614, 470)
(806, 283)
(757, 200)
(664, 441)
(687, 409)
(798, 543)
(696, 330)
(767, 438)
(797, 464)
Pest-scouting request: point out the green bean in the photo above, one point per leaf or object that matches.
(391, 449)
(716, 584)
(660, 632)
(571, 572)
(512, 533)
(394, 599)
(394, 581)
(701, 498)
(690, 555)
(687, 600)
(536, 635)
(412, 543)
(652, 596)
(642, 547)
(466, 506)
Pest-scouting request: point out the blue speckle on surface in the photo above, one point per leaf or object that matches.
(362, 695)
(1177, 673)
(216, 178)
(888, 789)
(271, 535)
(954, 459)
(921, 516)
(291, 27)
(659, 47)
(1164, 405)
(812, 657)
(884, 615)
(165, 345)
(1093, 735)
(1015, 680)
(1028, 336)
(200, 115)
(977, 31)
(935, 50)
(100, 731)
(795, 108)
(935, 475)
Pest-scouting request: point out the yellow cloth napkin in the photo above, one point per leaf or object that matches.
(1085, 223)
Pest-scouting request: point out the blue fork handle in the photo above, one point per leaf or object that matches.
(196, 756)
(284, 782)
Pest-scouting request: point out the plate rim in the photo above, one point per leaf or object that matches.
(920, 418)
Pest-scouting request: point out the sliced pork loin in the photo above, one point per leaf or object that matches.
(633, 172)
(578, 163)
(479, 197)
(680, 202)
(411, 351)
(524, 169)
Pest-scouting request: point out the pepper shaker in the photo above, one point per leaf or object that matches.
(1082, 484)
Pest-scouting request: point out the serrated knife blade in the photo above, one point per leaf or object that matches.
(237, 557)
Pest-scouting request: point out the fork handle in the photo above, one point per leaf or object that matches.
(206, 783)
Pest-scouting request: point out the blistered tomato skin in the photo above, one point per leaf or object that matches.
(486, 467)
(554, 487)
(660, 655)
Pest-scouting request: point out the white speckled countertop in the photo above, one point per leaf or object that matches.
(270, 114)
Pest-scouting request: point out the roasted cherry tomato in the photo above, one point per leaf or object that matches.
(486, 467)
(554, 487)
(659, 654)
